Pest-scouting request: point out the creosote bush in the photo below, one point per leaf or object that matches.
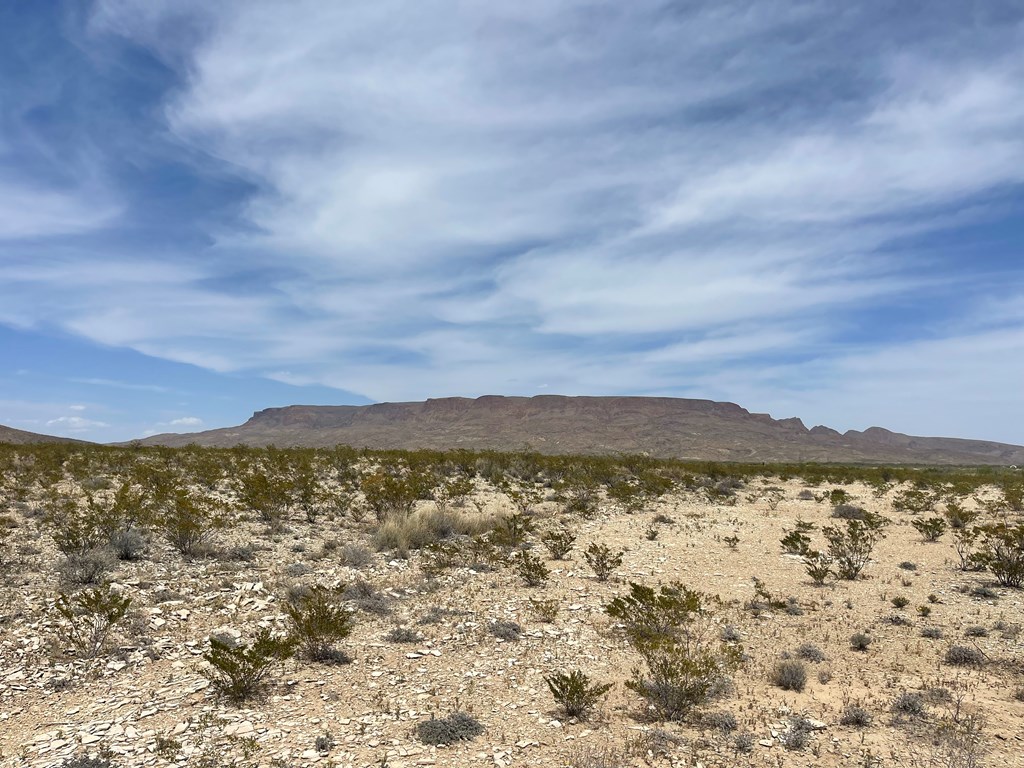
(850, 547)
(531, 569)
(318, 620)
(1002, 552)
(574, 692)
(558, 542)
(602, 560)
(684, 659)
(931, 529)
(240, 672)
(458, 726)
(89, 617)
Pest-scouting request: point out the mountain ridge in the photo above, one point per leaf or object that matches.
(560, 424)
(21, 437)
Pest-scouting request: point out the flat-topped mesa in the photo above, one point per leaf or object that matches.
(703, 430)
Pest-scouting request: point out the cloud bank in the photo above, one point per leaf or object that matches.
(807, 211)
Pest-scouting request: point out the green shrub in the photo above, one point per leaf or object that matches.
(188, 522)
(684, 661)
(89, 617)
(850, 548)
(795, 543)
(964, 540)
(558, 543)
(318, 620)
(931, 529)
(574, 692)
(1002, 552)
(545, 610)
(531, 569)
(602, 560)
(512, 530)
(818, 566)
(900, 601)
(458, 726)
(240, 672)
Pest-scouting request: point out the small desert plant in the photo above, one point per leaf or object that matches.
(84, 761)
(849, 512)
(924, 611)
(601, 558)
(531, 569)
(353, 555)
(900, 601)
(810, 652)
(684, 662)
(402, 635)
(931, 529)
(505, 630)
(723, 722)
(732, 541)
(240, 672)
(89, 617)
(976, 630)
(932, 633)
(856, 716)
(458, 726)
(128, 545)
(318, 620)
(790, 675)
(818, 566)
(574, 692)
(860, 641)
(86, 567)
(188, 523)
(1002, 552)
(963, 656)
(546, 610)
(796, 542)
(798, 734)
(324, 743)
(908, 703)
(964, 540)
(851, 548)
(907, 565)
(558, 543)
(512, 530)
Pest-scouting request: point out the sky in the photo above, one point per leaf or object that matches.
(812, 209)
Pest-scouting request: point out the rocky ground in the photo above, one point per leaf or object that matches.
(147, 702)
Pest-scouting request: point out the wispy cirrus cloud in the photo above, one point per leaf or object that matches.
(588, 197)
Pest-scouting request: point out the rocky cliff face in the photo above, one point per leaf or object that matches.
(660, 426)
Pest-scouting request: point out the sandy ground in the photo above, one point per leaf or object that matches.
(147, 702)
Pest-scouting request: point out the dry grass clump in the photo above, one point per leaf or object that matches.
(402, 533)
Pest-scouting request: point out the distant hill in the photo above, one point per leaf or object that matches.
(665, 427)
(20, 437)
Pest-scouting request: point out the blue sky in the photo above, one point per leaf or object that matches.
(807, 208)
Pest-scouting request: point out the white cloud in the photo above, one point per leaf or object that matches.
(75, 423)
(186, 421)
(589, 197)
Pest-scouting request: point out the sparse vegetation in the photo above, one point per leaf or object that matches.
(574, 692)
(240, 672)
(601, 558)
